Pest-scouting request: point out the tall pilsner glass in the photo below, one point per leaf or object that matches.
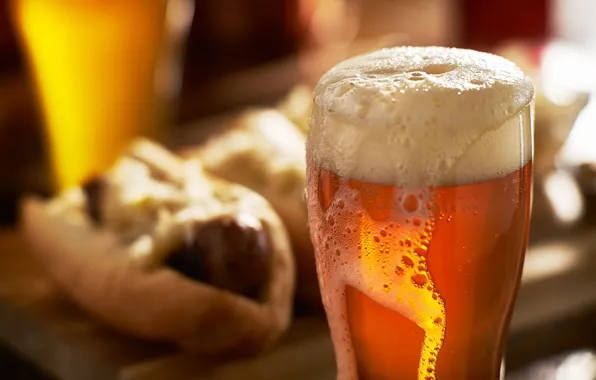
(419, 192)
(105, 71)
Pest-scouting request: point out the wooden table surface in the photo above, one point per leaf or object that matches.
(38, 323)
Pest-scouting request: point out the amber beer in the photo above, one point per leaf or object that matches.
(104, 70)
(419, 189)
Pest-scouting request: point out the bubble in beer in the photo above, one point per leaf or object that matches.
(407, 260)
(341, 204)
(341, 90)
(419, 279)
(383, 233)
(376, 239)
(416, 76)
(417, 221)
(410, 203)
(399, 270)
(421, 250)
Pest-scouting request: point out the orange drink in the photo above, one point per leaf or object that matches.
(102, 70)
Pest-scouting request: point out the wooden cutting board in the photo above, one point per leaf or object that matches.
(42, 326)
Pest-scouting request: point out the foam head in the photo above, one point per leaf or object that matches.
(422, 116)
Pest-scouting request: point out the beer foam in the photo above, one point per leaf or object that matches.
(422, 116)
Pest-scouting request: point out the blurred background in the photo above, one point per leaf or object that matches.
(211, 58)
(241, 52)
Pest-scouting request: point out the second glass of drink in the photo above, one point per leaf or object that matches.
(104, 71)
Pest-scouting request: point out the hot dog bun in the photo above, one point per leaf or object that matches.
(149, 299)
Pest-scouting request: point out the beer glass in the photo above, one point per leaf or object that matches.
(419, 165)
(104, 71)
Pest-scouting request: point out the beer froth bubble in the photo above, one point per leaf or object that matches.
(460, 124)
